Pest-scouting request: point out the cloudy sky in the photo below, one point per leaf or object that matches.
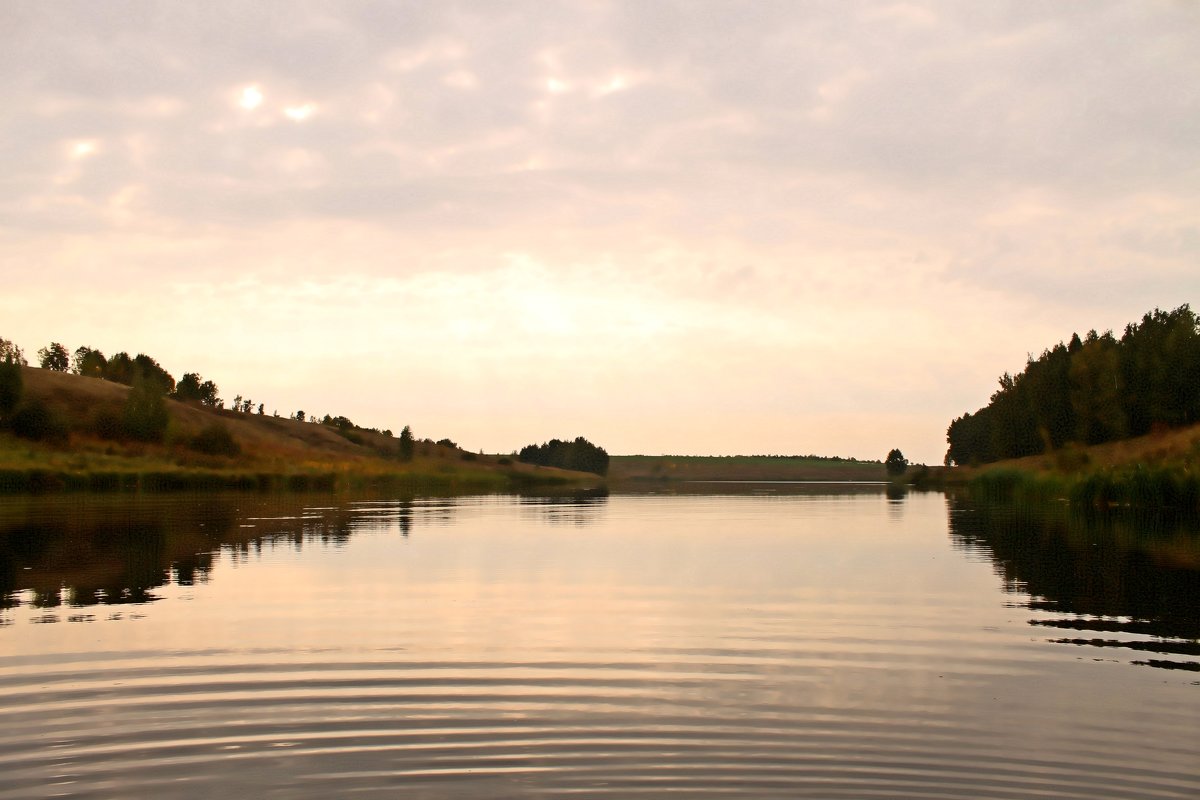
(694, 227)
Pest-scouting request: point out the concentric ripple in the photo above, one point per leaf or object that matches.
(778, 646)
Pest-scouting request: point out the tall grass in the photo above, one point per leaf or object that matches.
(1135, 486)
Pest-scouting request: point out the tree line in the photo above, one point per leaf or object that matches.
(580, 455)
(1091, 390)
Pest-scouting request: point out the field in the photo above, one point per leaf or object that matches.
(742, 468)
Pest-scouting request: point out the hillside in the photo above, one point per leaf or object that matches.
(267, 451)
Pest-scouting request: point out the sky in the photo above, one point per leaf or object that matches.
(671, 227)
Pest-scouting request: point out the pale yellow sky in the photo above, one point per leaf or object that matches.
(670, 227)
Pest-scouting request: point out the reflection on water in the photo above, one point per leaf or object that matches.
(765, 641)
(1130, 578)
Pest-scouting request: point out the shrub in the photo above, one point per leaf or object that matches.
(11, 385)
(215, 440)
(106, 423)
(36, 421)
(145, 416)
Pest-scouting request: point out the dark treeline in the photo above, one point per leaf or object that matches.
(580, 455)
(1094, 389)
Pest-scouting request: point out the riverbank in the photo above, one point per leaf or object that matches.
(1159, 470)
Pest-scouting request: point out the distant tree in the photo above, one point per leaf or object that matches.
(246, 404)
(447, 443)
(11, 385)
(260, 409)
(88, 362)
(54, 357)
(191, 389)
(299, 416)
(407, 444)
(120, 369)
(895, 463)
(580, 455)
(8, 350)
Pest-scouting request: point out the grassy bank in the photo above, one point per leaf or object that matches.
(1160, 470)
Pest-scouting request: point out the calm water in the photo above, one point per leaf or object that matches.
(785, 641)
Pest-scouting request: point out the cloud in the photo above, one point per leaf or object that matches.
(831, 199)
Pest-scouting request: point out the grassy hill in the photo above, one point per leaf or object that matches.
(268, 452)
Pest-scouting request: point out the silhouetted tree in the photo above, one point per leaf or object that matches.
(191, 388)
(407, 444)
(895, 463)
(54, 357)
(1095, 389)
(580, 455)
(8, 350)
(299, 416)
(11, 385)
(88, 362)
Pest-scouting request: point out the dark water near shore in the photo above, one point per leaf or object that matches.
(777, 640)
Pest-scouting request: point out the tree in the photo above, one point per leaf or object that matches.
(11, 385)
(895, 463)
(145, 416)
(406, 444)
(299, 416)
(88, 362)
(191, 388)
(54, 357)
(8, 351)
(580, 455)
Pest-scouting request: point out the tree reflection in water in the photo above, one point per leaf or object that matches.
(1131, 579)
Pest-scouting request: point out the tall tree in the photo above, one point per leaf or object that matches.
(407, 444)
(895, 463)
(9, 351)
(54, 357)
(88, 362)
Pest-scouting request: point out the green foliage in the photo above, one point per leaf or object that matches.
(12, 384)
(580, 455)
(54, 357)
(38, 422)
(895, 463)
(1094, 390)
(215, 440)
(145, 416)
(407, 444)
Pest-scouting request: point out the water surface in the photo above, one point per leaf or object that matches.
(783, 641)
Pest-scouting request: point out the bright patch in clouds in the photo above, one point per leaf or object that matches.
(299, 113)
(252, 98)
(83, 149)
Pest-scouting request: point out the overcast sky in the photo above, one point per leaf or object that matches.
(695, 227)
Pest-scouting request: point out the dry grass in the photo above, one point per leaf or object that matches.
(269, 445)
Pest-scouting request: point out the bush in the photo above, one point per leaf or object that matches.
(38, 422)
(215, 440)
(106, 423)
(145, 417)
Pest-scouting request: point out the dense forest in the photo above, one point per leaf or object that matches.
(1094, 389)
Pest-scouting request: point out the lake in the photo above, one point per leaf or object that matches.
(752, 641)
